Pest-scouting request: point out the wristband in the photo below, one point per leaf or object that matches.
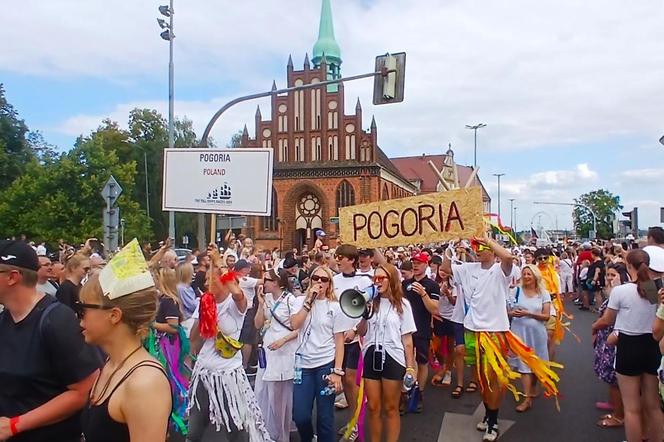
(410, 369)
(337, 371)
(12, 425)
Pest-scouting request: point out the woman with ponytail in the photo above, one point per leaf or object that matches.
(219, 391)
(637, 354)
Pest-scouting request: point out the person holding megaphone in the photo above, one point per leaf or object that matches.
(389, 361)
(318, 358)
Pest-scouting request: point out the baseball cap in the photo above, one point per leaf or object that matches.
(656, 255)
(320, 233)
(18, 254)
(366, 252)
(420, 257)
(241, 264)
(290, 262)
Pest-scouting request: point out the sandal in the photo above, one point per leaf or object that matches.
(525, 405)
(610, 421)
(437, 380)
(472, 387)
(457, 392)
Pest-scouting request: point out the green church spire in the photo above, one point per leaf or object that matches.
(326, 48)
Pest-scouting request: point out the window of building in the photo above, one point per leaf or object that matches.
(386, 193)
(270, 222)
(345, 195)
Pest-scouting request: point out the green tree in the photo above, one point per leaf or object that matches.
(60, 197)
(15, 152)
(235, 141)
(604, 204)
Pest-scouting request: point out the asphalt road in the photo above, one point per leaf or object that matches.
(450, 420)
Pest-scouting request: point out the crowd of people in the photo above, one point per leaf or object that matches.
(247, 342)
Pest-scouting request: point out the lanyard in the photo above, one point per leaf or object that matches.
(381, 326)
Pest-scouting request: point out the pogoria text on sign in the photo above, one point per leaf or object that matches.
(228, 181)
(424, 218)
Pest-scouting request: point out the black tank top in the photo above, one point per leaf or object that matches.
(97, 423)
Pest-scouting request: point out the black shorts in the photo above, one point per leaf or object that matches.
(459, 334)
(443, 328)
(637, 355)
(392, 370)
(421, 349)
(352, 354)
(249, 332)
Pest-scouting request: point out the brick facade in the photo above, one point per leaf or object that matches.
(318, 150)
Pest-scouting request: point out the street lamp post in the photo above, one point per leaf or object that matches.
(516, 228)
(498, 175)
(512, 213)
(474, 128)
(169, 36)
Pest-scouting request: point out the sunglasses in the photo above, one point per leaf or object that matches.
(379, 278)
(542, 258)
(268, 280)
(482, 248)
(317, 278)
(80, 307)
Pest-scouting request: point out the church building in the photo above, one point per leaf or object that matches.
(323, 158)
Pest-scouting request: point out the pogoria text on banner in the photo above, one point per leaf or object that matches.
(424, 218)
(224, 181)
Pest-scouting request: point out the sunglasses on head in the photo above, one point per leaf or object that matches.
(80, 307)
(317, 278)
(379, 278)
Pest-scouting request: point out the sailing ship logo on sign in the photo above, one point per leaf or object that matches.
(219, 195)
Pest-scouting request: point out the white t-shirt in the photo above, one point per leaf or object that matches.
(635, 314)
(316, 338)
(460, 308)
(248, 287)
(386, 328)
(566, 266)
(47, 288)
(229, 321)
(445, 307)
(41, 250)
(280, 362)
(369, 272)
(485, 292)
(342, 283)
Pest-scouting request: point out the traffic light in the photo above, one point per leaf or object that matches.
(389, 87)
(632, 223)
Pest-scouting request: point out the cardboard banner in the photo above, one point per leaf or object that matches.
(432, 217)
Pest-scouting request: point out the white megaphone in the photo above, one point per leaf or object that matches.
(354, 303)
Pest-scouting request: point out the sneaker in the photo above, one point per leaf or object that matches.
(491, 434)
(482, 426)
(352, 438)
(447, 379)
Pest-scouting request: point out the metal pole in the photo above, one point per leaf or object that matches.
(475, 150)
(498, 175)
(147, 198)
(515, 225)
(171, 99)
(512, 213)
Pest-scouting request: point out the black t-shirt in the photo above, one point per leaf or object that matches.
(37, 365)
(597, 266)
(168, 308)
(68, 293)
(421, 315)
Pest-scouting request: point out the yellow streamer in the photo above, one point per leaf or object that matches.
(358, 409)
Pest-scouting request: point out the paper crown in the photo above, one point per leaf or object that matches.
(126, 273)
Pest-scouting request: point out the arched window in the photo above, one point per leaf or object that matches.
(270, 222)
(345, 195)
(386, 194)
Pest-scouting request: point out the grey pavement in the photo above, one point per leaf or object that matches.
(450, 420)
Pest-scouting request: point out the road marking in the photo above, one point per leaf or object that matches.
(461, 427)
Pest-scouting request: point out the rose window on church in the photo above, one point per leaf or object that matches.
(309, 205)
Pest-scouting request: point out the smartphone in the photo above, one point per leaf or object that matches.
(651, 288)
(378, 360)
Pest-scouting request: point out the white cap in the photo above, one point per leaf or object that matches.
(656, 255)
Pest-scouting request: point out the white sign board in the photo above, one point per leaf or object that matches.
(223, 181)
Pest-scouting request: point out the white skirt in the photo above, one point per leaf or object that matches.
(242, 409)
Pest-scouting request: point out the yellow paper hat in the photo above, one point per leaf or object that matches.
(126, 273)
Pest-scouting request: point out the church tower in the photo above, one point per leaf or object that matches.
(326, 49)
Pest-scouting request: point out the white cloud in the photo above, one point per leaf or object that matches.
(537, 74)
(642, 175)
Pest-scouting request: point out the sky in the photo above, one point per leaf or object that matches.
(571, 92)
